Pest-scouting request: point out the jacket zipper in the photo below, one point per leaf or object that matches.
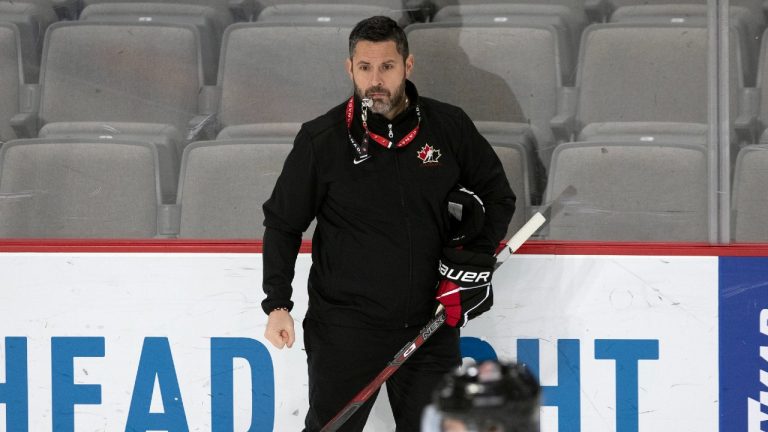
(410, 237)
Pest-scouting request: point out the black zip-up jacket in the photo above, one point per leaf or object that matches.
(381, 223)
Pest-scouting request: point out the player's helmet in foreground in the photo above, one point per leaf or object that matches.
(489, 397)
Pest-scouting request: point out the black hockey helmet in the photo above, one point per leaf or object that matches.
(489, 397)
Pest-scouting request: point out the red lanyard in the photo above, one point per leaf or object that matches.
(387, 143)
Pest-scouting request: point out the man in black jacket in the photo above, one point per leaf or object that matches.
(375, 172)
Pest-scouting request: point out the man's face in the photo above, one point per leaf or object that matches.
(379, 72)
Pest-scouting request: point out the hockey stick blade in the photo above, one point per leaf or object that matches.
(523, 234)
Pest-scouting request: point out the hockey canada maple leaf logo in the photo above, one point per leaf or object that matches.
(428, 154)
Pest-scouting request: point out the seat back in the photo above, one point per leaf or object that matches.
(517, 81)
(515, 146)
(32, 19)
(646, 72)
(224, 184)
(143, 73)
(11, 78)
(78, 188)
(630, 192)
(208, 20)
(750, 203)
(346, 15)
(272, 74)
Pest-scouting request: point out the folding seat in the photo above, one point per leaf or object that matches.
(329, 13)
(209, 20)
(514, 144)
(273, 77)
(691, 133)
(754, 6)
(601, 10)
(567, 17)
(78, 188)
(32, 19)
(749, 201)
(119, 81)
(630, 192)
(515, 82)
(753, 120)
(573, 4)
(11, 78)
(241, 10)
(223, 185)
(747, 25)
(648, 78)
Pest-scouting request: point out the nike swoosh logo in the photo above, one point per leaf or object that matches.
(357, 161)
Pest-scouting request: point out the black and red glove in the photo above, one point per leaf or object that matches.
(465, 288)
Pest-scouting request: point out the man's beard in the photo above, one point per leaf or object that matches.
(381, 106)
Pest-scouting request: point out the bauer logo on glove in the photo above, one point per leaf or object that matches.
(465, 288)
(458, 275)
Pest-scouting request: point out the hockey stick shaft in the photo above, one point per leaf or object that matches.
(514, 243)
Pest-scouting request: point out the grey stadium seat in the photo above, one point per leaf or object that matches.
(569, 21)
(750, 203)
(517, 81)
(224, 184)
(573, 4)
(604, 8)
(754, 120)
(65, 9)
(242, 10)
(32, 19)
(328, 14)
(652, 74)
(630, 192)
(755, 6)
(747, 26)
(281, 74)
(693, 133)
(515, 146)
(110, 80)
(78, 188)
(209, 21)
(11, 78)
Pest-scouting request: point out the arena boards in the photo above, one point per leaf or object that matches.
(174, 341)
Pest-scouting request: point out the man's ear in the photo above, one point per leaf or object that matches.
(408, 65)
(348, 65)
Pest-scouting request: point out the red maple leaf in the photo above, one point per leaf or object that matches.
(424, 152)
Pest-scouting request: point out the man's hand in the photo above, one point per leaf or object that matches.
(280, 329)
(465, 288)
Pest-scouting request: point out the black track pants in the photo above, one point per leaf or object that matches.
(343, 360)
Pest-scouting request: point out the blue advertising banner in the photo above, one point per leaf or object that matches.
(743, 306)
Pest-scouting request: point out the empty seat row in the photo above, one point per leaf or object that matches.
(652, 192)
(86, 188)
(91, 188)
(211, 18)
(625, 191)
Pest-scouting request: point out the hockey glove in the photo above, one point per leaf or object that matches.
(465, 288)
(466, 215)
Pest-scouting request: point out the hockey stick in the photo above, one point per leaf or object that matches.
(513, 244)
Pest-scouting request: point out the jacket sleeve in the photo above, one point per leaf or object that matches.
(482, 172)
(287, 214)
